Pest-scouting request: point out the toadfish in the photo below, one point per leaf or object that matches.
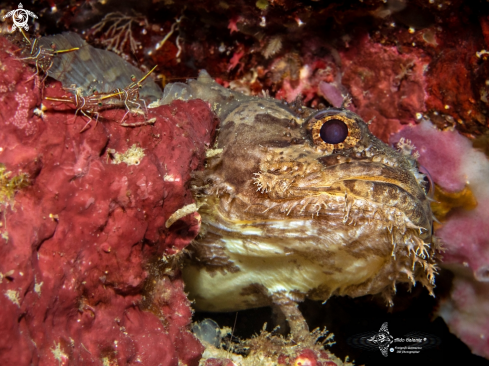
(302, 203)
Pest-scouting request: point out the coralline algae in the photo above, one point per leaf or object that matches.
(89, 271)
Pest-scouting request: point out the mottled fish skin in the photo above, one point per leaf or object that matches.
(91, 69)
(283, 213)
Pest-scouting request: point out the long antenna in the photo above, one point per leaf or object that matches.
(143, 78)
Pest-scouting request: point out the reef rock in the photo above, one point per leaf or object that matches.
(88, 268)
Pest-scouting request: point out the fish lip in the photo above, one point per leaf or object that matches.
(382, 174)
(359, 170)
(413, 192)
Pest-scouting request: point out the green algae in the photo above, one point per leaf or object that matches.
(9, 185)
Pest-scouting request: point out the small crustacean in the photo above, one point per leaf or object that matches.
(298, 204)
(41, 56)
(93, 104)
(131, 95)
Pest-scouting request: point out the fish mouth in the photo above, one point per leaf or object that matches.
(374, 172)
(329, 179)
(345, 188)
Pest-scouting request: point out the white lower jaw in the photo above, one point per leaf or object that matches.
(304, 258)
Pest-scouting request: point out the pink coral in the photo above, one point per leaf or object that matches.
(444, 159)
(467, 313)
(89, 273)
(331, 92)
(453, 163)
(235, 60)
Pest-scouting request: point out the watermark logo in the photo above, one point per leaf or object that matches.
(383, 339)
(20, 17)
(410, 344)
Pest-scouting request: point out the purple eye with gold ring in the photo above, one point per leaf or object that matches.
(334, 129)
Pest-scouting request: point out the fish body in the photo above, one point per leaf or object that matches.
(90, 70)
(301, 203)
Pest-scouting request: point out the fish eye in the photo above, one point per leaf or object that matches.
(333, 131)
